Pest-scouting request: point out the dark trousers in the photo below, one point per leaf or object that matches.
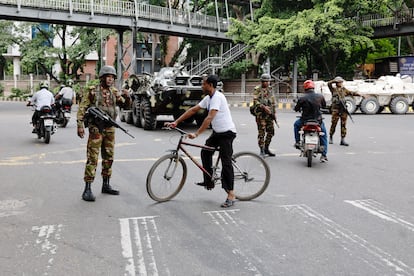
(225, 142)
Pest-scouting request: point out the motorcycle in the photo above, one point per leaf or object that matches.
(45, 124)
(63, 113)
(310, 142)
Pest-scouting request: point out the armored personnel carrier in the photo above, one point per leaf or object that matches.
(170, 92)
(393, 92)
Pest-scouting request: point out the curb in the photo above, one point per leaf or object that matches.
(16, 99)
(286, 106)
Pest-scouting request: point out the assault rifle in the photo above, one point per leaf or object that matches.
(341, 101)
(275, 119)
(101, 119)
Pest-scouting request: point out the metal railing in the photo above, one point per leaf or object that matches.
(219, 62)
(126, 9)
(379, 20)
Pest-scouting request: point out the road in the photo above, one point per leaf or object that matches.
(351, 216)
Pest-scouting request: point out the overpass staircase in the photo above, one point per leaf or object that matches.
(211, 64)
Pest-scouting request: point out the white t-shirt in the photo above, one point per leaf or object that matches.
(223, 121)
(42, 97)
(67, 93)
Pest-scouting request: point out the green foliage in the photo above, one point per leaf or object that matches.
(19, 93)
(1, 89)
(235, 70)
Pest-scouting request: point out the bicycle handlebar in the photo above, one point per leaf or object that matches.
(177, 129)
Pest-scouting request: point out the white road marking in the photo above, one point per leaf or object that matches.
(137, 237)
(224, 219)
(10, 207)
(351, 242)
(46, 237)
(377, 209)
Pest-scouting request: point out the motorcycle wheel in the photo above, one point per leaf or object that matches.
(47, 136)
(309, 155)
(65, 122)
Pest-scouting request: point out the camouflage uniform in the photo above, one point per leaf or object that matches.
(264, 121)
(100, 140)
(337, 108)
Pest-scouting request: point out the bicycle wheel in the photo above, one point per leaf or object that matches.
(251, 175)
(166, 177)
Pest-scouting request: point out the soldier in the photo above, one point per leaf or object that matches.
(265, 112)
(338, 109)
(106, 98)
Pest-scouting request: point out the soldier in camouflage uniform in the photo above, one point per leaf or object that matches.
(338, 110)
(102, 140)
(265, 111)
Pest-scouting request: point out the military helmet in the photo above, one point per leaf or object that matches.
(44, 84)
(308, 84)
(338, 79)
(107, 70)
(265, 77)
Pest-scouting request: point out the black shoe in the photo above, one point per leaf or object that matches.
(343, 143)
(330, 140)
(107, 189)
(34, 131)
(297, 145)
(268, 152)
(207, 186)
(87, 193)
(324, 159)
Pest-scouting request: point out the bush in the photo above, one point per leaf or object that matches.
(19, 93)
(235, 70)
(1, 89)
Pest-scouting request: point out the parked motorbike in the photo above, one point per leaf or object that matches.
(63, 113)
(45, 124)
(310, 143)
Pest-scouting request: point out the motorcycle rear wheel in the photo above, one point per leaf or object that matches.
(47, 136)
(309, 155)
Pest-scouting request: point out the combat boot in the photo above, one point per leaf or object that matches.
(87, 193)
(262, 152)
(343, 143)
(107, 189)
(268, 152)
(330, 139)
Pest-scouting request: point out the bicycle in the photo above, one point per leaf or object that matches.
(168, 174)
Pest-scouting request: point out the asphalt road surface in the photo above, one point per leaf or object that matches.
(351, 216)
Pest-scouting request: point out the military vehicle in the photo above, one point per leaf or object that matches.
(170, 92)
(393, 92)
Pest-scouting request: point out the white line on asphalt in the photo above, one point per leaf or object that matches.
(377, 209)
(144, 231)
(222, 219)
(348, 240)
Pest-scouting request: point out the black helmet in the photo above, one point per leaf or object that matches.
(265, 77)
(107, 70)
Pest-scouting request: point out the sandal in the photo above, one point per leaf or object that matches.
(227, 203)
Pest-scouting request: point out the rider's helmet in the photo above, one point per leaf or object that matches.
(69, 83)
(44, 84)
(107, 70)
(338, 79)
(265, 77)
(308, 84)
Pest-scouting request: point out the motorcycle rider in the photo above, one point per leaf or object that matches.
(105, 97)
(66, 95)
(310, 105)
(265, 112)
(41, 98)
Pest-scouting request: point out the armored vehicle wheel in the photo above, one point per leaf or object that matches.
(399, 105)
(370, 106)
(136, 119)
(128, 117)
(350, 105)
(148, 120)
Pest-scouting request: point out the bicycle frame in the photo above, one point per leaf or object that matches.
(181, 147)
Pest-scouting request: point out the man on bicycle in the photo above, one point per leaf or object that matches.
(224, 132)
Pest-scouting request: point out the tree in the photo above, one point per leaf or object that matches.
(6, 39)
(73, 45)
